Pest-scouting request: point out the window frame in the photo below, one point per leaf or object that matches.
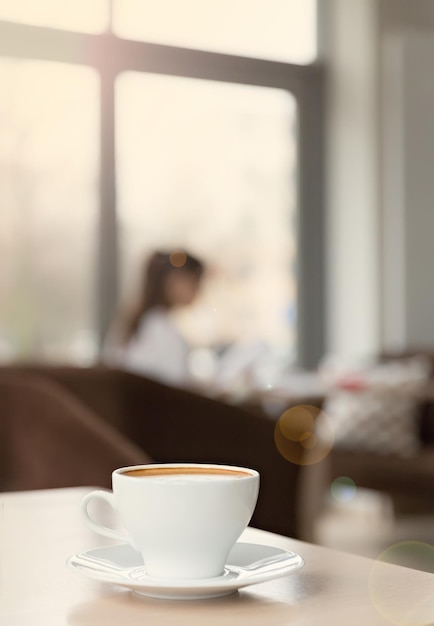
(109, 56)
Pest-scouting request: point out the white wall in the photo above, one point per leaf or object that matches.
(352, 154)
(409, 189)
(380, 175)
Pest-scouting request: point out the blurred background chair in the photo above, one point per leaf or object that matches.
(50, 439)
(171, 425)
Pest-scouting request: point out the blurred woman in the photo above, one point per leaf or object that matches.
(148, 341)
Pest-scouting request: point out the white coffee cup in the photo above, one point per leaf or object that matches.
(183, 518)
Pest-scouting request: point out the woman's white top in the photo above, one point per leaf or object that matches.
(157, 350)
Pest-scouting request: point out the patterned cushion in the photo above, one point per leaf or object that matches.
(379, 412)
(379, 421)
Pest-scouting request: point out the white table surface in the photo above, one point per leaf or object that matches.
(40, 530)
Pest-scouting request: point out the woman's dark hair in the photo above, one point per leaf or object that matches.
(153, 291)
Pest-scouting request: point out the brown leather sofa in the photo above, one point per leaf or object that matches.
(49, 439)
(172, 425)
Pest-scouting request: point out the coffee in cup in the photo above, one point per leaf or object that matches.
(183, 518)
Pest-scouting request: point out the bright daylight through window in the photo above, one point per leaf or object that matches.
(111, 147)
(282, 30)
(48, 194)
(235, 208)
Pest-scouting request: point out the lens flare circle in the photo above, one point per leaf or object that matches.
(304, 434)
(343, 489)
(414, 606)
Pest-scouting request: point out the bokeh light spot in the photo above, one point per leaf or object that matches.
(410, 605)
(414, 554)
(297, 423)
(343, 489)
(309, 442)
(178, 258)
(304, 434)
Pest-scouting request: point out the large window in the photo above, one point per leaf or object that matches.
(128, 131)
(48, 198)
(211, 166)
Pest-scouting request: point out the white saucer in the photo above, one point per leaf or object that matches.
(248, 564)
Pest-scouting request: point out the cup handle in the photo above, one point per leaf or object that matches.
(107, 496)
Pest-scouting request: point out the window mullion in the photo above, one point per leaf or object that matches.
(107, 272)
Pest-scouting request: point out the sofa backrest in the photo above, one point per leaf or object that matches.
(48, 438)
(175, 425)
